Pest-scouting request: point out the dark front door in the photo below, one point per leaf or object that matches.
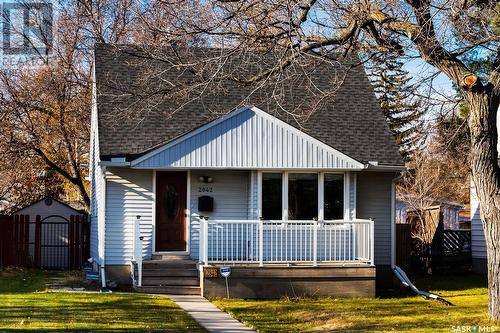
(171, 188)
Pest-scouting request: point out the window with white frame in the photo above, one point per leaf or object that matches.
(295, 196)
(302, 196)
(333, 196)
(272, 198)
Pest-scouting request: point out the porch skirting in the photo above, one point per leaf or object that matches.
(119, 274)
(277, 281)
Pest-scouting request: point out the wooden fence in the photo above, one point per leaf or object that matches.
(50, 243)
(403, 246)
(450, 250)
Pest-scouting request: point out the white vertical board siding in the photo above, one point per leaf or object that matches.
(477, 232)
(374, 201)
(230, 190)
(247, 139)
(128, 193)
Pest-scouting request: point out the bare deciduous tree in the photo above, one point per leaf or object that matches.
(438, 32)
(45, 99)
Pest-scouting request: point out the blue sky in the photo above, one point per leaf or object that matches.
(419, 70)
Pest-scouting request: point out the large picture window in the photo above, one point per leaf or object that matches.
(272, 198)
(334, 197)
(302, 196)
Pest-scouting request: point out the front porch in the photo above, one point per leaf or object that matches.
(274, 281)
(306, 242)
(268, 259)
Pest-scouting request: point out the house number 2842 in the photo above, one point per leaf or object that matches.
(205, 189)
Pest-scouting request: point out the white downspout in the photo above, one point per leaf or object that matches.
(102, 226)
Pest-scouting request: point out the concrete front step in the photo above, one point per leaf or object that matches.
(170, 272)
(169, 264)
(171, 281)
(170, 256)
(174, 290)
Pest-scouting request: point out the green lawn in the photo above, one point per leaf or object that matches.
(405, 314)
(26, 305)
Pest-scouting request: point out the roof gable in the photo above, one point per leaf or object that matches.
(349, 119)
(247, 138)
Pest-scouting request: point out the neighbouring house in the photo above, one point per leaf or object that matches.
(450, 211)
(229, 179)
(479, 254)
(438, 237)
(50, 247)
(465, 217)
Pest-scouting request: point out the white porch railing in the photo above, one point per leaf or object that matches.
(137, 255)
(283, 242)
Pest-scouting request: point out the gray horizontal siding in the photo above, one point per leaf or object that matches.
(128, 193)
(374, 201)
(249, 140)
(231, 198)
(477, 233)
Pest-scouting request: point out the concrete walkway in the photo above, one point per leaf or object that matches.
(208, 315)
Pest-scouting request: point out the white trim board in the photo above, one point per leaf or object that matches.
(247, 138)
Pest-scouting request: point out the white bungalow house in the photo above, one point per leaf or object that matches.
(228, 180)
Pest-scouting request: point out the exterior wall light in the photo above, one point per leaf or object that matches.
(206, 179)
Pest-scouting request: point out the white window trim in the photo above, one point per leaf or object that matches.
(284, 198)
(321, 192)
(347, 197)
(321, 196)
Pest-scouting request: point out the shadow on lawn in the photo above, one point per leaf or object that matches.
(399, 313)
(117, 312)
(451, 282)
(26, 305)
(437, 283)
(21, 280)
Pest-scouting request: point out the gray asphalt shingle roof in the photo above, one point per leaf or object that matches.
(349, 120)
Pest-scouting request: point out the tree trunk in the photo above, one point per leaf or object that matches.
(485, 173)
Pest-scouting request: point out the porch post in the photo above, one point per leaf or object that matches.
(205, 240)
(372, 243)
(201, 256)
(315, 243)
(261, 242)
(138, 249)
